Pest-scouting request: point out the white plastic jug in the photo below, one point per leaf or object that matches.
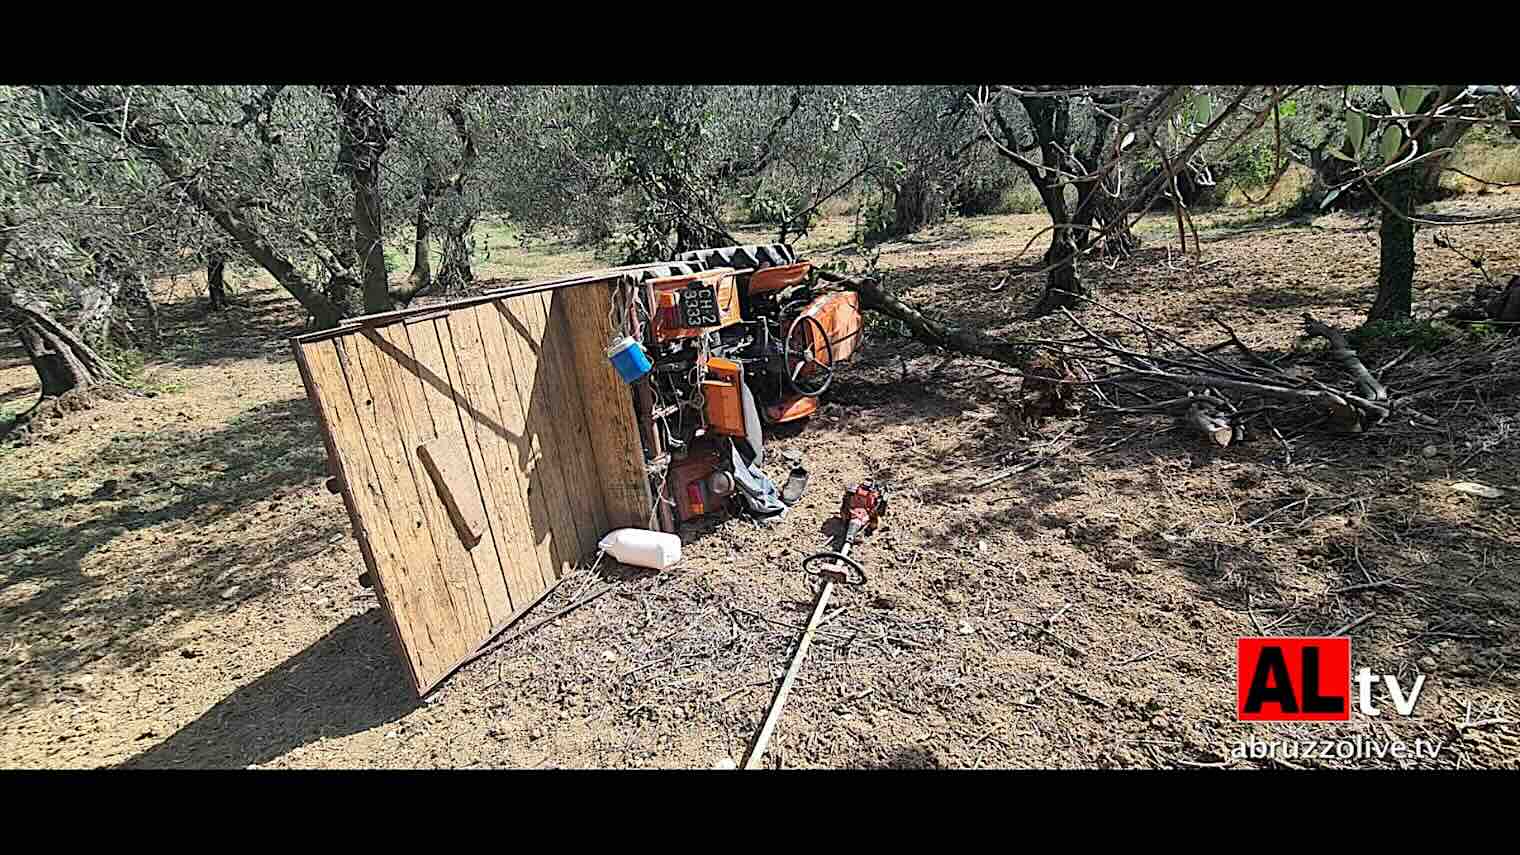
(641, 547)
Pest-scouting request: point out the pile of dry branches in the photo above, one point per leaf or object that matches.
(1221, 389)
(1217, 391)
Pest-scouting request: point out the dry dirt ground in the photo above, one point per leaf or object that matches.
(177, 588)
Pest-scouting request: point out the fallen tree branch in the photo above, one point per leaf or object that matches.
(1210, 424)
(927, 330)
(1212, 393)
(1347, 357)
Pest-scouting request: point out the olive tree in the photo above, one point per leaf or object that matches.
(80, 225)
(1396, 149)
(293, 176)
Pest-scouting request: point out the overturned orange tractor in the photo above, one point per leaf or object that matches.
(738, 340)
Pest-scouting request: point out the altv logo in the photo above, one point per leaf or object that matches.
(1308, 679)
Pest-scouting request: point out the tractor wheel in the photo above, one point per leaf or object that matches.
(775, 255)
(757, 256)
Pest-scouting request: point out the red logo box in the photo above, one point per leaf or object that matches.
(1293, 679)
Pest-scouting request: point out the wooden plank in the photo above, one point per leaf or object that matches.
(435, 378)
(554, 418)
(400, 374)
(608, 406)
(553, 527)
(315, 395)
(481, 413)
(419, 588)
(448, 466)
(377, 534)
(526, 569)
(585, 494)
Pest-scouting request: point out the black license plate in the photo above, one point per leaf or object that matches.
(699, 306)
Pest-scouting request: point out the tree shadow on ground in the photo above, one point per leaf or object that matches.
(164, 498)
(1235, 229)
(961, 293)
(257, 327)
(347, 682)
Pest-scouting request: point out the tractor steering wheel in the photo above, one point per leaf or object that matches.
(799, 354)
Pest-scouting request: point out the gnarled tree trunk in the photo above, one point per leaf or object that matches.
(1062, 284)
(917, 205)
(367, 135)
(369, 243)
(454, 273)
(97, 300)
(1505, 305)
(1049, 120)
(422, 263)
(63, 361)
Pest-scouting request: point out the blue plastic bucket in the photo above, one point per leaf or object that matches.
(629, 358)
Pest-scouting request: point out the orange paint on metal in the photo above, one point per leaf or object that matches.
(839, 313)
(689, 481)
(776, 278)
(667, 310)
(791, 409)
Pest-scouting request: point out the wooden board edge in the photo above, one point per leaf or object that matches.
(361, 533)
(379, 319)
(494, 634)
(587, 360)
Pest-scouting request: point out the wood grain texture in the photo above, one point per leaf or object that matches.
(417, 586)
(497, 470)
(574, 434)
(491, 557)
(532, 566)
(315, 395)
(608, 407)
(435, 379)
(522, 337)
(482, 428)
(378, 534)
(549, 423)
(448, 467)
(402, 377)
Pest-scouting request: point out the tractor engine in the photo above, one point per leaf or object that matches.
(737, 338)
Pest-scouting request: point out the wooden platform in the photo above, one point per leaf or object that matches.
(483, 448)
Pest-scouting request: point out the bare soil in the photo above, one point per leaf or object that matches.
(178, 589)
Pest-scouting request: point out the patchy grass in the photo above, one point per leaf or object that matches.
(502, 251)
(1285, 196)
(1424, 335)
(1021, 198)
